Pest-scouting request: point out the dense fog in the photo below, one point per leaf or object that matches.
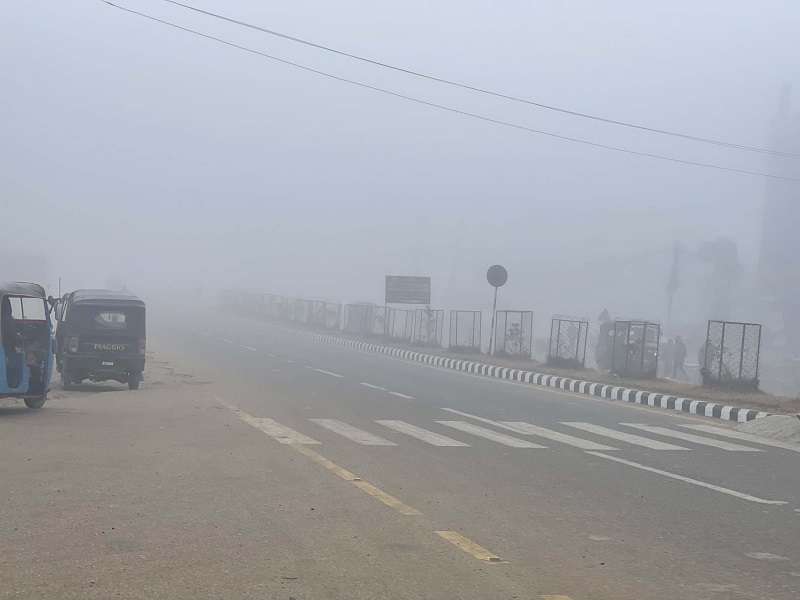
(142, 156)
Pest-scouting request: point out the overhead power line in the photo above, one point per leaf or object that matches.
(481, 90)
(443, 107)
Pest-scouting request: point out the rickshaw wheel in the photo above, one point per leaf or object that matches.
(37, 402)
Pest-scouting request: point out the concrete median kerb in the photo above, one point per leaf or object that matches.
(691, 406)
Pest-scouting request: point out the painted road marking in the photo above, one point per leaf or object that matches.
(227, 341)
(404, 396)
(696, 482)
(341, 472)
(470, 547)
(272, 428)
(637, 440)
(689, 437)
(500, 438)
(529, 429)
(250, 348)
(359, 436)
(747, 437)
(324, 372)
(766, 556)
(435, 439)
(373, 387)
(364, 486)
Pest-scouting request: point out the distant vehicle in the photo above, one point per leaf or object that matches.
(100, 337)
(26, 352)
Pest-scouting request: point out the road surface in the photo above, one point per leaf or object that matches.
(254, 463)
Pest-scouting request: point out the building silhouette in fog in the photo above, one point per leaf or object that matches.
(779, 261)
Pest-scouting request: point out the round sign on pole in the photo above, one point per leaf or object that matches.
(497, 276)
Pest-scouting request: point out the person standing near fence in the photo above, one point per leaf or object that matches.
(679, 359)
(668, 356)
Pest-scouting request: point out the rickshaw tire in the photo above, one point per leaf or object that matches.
(37, 402)
(134, 381)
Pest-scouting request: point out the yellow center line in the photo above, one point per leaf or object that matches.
(328, 464)
(387, 499)
(364, 486)
(470, 547)
(455, 538)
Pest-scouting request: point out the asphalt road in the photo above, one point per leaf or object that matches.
(398, 481)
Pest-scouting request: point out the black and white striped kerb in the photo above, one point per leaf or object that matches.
(601, 390)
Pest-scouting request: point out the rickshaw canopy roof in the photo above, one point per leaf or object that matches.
(22, 288)
(100, 296)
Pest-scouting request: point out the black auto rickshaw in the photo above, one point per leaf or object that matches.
(26, 352)
(100, 336)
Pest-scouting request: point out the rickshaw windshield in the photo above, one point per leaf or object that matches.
(24, 308)
(108, 318)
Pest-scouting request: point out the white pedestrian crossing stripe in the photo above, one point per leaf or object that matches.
(275, 430)
(556, 436)
(489, 434)
(359, 436)
(746, 437)
(690, 437)
(287, 435)
(435, 439)
(636, 440)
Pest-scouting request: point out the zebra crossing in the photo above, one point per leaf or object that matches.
(464, 433)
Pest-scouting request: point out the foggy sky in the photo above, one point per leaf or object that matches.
(137, 152)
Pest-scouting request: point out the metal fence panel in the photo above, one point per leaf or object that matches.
(731, 353)
(513, 333)
(400, 323)
(428, 327)
(635, 348)
(465, 331)
(358, 318)
(567, 346)
(325, 315)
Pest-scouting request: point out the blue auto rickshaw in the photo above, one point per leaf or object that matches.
(26, 352)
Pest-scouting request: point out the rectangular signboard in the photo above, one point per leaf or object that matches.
(402, 289)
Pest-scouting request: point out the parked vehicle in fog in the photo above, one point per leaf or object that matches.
(26, 352)
(100, 336)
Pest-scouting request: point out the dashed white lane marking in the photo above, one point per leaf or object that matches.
(270, 354)
(556, 436)
(324, 372)
(766, 556)
(696, 482)
(689, 437)
(435, 439)
(290, 361)
(404, 396)
(746, 437)
(372, 387)
(250, 348)
(500, 438)
(359, 436)
(227, 341)
(636, 440)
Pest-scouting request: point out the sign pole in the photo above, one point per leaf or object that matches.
(494, 313)
(497, 277)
